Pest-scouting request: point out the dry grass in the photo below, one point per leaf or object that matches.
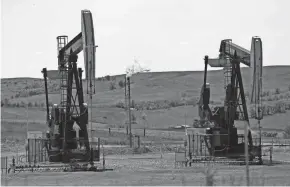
(148, 169)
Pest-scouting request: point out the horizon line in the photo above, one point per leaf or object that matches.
(153, 72)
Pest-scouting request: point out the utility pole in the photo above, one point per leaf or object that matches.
(27, 120)
(126, 104)
(125, 85)
(129, 107)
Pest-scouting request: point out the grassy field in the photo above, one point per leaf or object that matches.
(151, 169)
(149, 87)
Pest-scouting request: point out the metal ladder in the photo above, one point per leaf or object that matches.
(63, 71)
(63, 86)
(227, 69)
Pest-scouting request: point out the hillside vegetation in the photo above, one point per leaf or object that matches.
(161, 95)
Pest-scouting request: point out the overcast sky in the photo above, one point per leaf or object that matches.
(164, 35)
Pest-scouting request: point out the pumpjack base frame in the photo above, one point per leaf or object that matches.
(238, 151)
(78, 155)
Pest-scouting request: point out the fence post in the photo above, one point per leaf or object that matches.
(200, 141)
(6, 163)
(193, 143)
(271, 150)
(197, 145)
(144, 132)
(13, 164)
(138, 141)
(99, 148)
(39, 151)
(34, 151)
(109, 130)
(189, 151)
(28, 152)
(103, 157)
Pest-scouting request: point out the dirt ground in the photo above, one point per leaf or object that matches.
(151, 169)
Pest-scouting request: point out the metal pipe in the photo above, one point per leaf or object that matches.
(205, 71)
(260, 142)
(44, 71)
(129, 103)
(27, 121)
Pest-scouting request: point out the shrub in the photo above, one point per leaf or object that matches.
(287, 132)
(280, 107)
(120, 105)
(29, 104)
(22, 104)
(133, 117)
(6, 102)
(265, 93)
(173, 103)
(112, 86)
(277, 91)
(107, 77)
(121, 84)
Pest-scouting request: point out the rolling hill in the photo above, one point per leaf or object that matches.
(146, 87)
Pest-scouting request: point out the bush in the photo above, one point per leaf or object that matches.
(6, 102)
(277, 91)
(265, 93)
(22, 104)
(120, 105)
(173, 104)
(29, 104)
(121, 84)
(133, 117)
(270, 134)
(112, 86)
(270, 109)
(287, 132)
(107, 77)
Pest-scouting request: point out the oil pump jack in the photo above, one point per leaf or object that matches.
(225, 139)
(68, 134)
